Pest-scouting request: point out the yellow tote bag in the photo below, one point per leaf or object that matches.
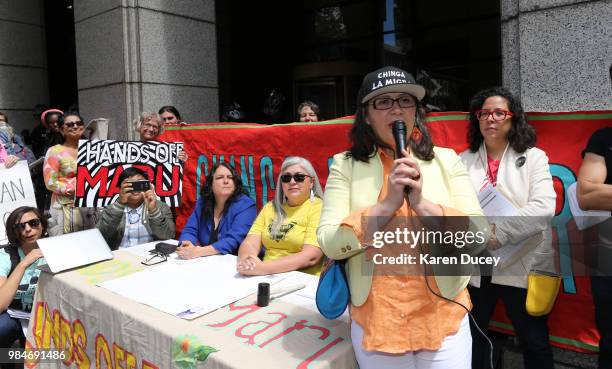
(542, 291)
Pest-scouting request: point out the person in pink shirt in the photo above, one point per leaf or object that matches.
(59, 172)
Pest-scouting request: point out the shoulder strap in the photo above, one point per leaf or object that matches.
(14, 254)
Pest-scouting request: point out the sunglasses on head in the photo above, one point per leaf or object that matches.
(298, 177)
(78, 123)
(33, 223)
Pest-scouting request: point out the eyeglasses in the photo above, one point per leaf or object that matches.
(298, 177)
(33, 223)
(78, 123)
(497, 114)
(386, 103)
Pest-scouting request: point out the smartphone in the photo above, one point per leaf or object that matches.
(141, 185)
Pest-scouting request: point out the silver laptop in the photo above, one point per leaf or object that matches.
(73, 250)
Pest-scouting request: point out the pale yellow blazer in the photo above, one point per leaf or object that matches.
(354, 185)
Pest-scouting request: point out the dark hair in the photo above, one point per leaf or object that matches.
(131, 172)
(170, 109)
(14, 234)
(521, 136)
(208, 196)
(46, 116)
(364, 141)
(5, 117)
(60, 120)
(312, 105)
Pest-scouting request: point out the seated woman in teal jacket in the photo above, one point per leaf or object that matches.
(222, 216)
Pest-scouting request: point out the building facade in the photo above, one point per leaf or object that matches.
(117, 58)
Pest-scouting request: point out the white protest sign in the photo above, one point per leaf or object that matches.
(15, 190)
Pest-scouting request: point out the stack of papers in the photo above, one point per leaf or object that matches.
(188, 290)
(18, 314)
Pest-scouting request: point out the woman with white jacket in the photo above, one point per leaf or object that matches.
(502, 157)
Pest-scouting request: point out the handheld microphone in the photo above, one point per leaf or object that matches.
(399, 136)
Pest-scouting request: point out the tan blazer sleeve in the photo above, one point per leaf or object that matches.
(338, 241)
(536, 215)
(465, 203)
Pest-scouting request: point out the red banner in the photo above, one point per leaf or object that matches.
(257, 151)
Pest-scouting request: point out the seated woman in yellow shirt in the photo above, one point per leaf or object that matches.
(287, 225)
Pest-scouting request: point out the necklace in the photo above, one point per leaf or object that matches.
(133, 216)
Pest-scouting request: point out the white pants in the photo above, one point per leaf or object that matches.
(455, 353)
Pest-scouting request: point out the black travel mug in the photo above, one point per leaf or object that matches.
(263, 294)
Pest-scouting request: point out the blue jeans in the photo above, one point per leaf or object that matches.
(10, 330)
(532, 331)
(602, 298)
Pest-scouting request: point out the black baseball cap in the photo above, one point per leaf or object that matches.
(389, 79)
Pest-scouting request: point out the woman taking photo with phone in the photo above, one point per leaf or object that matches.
(137, 216)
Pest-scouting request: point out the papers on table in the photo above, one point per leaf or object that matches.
(584, 218)
(188, 290)
(18, 314)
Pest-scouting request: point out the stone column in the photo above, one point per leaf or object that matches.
(557, 53)
(138, 55)
(23, 61)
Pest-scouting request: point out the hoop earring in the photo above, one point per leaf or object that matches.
(417, 135)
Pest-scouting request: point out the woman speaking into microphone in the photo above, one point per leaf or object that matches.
(402, 320)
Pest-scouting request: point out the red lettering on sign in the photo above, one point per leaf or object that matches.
(55, 328)
(83, 175)
(159, 182)
(79, 339)
(119, 354)
(148, 365)
(250, 309)
(102, 348)
(130, 360)
(251, 337)
(114, 187)
(30, 364)
(66, 338)
(304, 364)
(297, 326)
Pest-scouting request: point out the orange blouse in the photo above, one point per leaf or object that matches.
(401, 314)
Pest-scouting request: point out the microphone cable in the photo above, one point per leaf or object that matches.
(399, 136)
(463, 306)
